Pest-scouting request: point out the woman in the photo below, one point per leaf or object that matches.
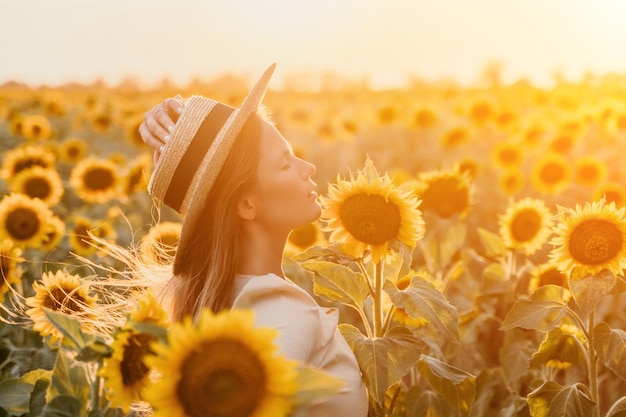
(242, 190)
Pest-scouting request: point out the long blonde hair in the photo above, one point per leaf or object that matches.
(204, 276)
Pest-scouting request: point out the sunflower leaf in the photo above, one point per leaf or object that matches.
(63, 406)
(331, 252)
(423, 300)
(588, 290)
(560, 347)
(610, 345)
(543, 310)
(429, 403)
(493, 243)
(457, 386)
(69, 378)
(15, 396)
(337, 283)
(73, 336)
(383, 360)
(618, 409)
(550, 399)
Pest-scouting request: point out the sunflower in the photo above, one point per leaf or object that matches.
(481, 112)
(64, 293)
(507, 155)
(368, 212)
(136, 178)
(36, 127)
(159, 244)
(54, 235)
(306, 236)
(79, 235)
(19, 159)
(590, 171)
(511, 181)
(562, 143)
(446, 193)
(454, 137)
(425, 118)
(551, 174)
(125, 371)
(526, 225)
(24, 220)
(547, 274)
(469, 166)
(95, 180)
(37, 182)
(592, 237)
(10, 272)
(611, 192)
(224, 366)
(72, 150)
(148, 310)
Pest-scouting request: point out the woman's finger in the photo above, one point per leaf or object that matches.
(150, 139)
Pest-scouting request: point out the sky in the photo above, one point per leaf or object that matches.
(384, 41)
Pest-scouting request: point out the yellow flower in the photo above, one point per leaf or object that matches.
(368, 212)
(54, 235)
(425, 118)
(159, 244)
(611, 192)
(19, 159)
(36, 127)
(562, 143)
(454, 137)
(79, 235)
(469, 166)
(148, 310)
(63, 293)
(547, 274)
(306, 236)
(72, 150)
(223, 366)
(511, 181)
(592, 237)
(95, 180)
(24, 220)
(10, 272)
(481, 112)
(507, 155)
(526, 225)
(38, 182)
(551, 174)
(136, 178)
(446, 193)
(590, 171)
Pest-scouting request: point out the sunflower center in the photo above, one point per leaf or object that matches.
(509, 156)
(37, 188)
(588, 173)
(370, 218)
(73, 151)
(525, 225)
(223, 378)
(303, 236)
(98, 179)
(29, 163)
(552, 173)
(553, 277)
(133, 368)
(595, 241)
(22, 223)
(446, 197)
(64, 300)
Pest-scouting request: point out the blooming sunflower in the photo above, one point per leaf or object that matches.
(305, 236)
(72, 150)
(511, 181)
(224, 366)
(148, 310)
(445, 192)
(10, 272)
(95, 180)
(368, 212)
(79, 235)
(454, 137)
(590, 171)
(159, 244)
(551, 174)
(547, 274)
(136, 178)
(526, 225)
(507, 155)
(64, 293)
(38, 182)
(592, 237)
(562, 143)
(19, 159)
(611, 192)
(24, 220)
(481, 112)
(36, 127)
(54, 235)
(425, 118)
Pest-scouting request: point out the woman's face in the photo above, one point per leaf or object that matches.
(284, 194)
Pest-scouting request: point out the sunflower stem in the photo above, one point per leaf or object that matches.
(593, 364)
(95, 389)
(388, 319)
(367, 276)
(378, 305)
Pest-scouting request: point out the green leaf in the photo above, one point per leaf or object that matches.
(94, 352)
(73, 336)
(422, 299)
(444, 239)
(495, 272)
(338, 283)
(456, 385)
(493, 243)
(15, 396)
(589, 290)
(38, 397)
(618, 409)
(552, 400)
(558, 346)
(63, 406)
(430, 404)
(383, 360)
(543, 310)
(69, 378)
(331, 252)
(315, 385)
(610, 345)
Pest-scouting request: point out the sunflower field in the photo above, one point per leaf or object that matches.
(473, 239)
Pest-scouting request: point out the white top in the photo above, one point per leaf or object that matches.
(307, 333)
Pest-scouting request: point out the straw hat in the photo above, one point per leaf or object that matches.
(196, 151)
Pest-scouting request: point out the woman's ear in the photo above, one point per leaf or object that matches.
(246, 208)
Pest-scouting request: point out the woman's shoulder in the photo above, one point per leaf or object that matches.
(253, 288)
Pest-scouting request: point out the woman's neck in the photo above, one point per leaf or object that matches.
(261, 254)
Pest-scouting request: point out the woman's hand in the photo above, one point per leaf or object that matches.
(158, 123)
